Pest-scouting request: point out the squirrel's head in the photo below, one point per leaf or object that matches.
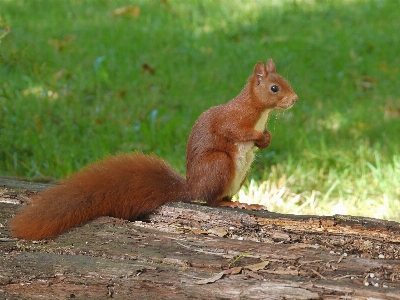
(270, 88)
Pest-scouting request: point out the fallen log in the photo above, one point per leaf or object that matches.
(191, 251)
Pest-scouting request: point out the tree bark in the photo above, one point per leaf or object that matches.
(189, 251)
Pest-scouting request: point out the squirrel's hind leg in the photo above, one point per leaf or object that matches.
(210, 178)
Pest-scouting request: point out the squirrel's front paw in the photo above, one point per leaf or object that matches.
(264, 143)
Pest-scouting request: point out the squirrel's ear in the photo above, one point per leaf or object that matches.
(259, 71)
(271, 66)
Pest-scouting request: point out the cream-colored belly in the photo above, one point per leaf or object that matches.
(245, 156)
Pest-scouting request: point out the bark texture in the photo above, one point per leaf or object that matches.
(188, 251)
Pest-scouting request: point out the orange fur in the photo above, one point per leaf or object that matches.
(219, 153)
(124, 186)
(212, 150)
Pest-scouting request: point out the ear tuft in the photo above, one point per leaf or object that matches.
(271, 66)
(260, 71)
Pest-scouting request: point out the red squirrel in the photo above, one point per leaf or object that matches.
(219, 153)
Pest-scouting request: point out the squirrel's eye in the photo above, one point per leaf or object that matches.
(275, 88)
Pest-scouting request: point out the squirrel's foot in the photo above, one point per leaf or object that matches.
(242, 205)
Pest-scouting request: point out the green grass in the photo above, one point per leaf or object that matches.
(78, 83)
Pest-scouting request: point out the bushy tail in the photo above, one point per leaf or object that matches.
(124, 186)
